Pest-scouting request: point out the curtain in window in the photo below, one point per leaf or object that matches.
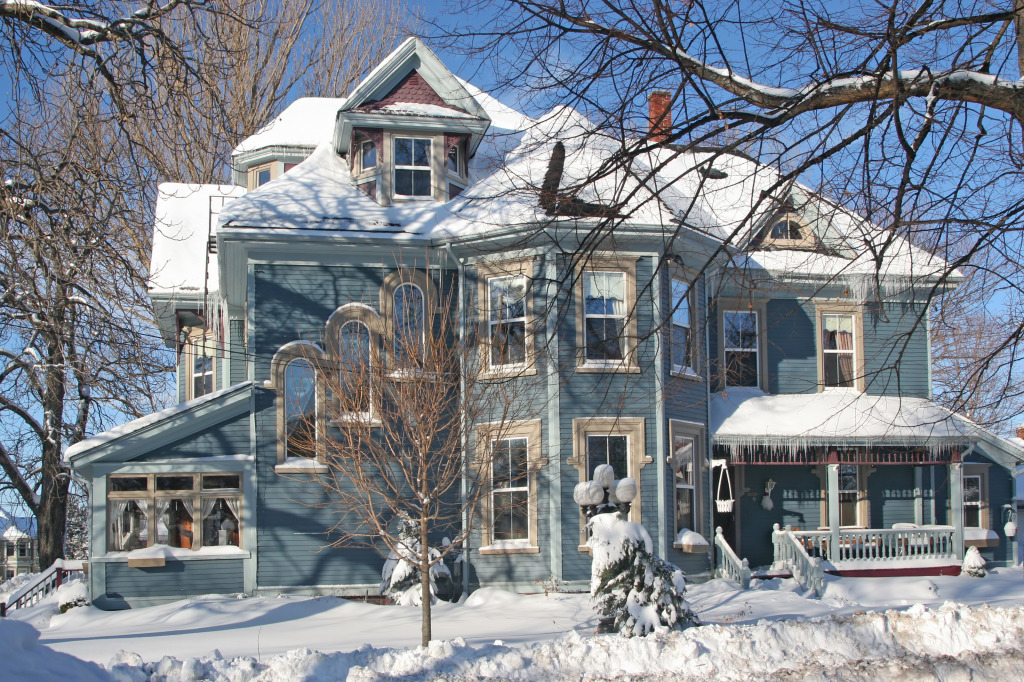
(837, 343)
(604, 293)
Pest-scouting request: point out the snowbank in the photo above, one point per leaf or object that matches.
(22, 657)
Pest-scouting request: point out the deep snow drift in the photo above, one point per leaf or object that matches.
(771, 631)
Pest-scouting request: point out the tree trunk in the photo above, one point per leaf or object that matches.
(1018, 23)
(53, 504)
(425, 595)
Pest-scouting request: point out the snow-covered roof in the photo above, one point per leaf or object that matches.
(305, 123)
(186, 217)
(16, 527)
(840, 417)
(149, 420)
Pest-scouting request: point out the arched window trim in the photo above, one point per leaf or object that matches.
(315, 356)
(368, 317)
(388, 288)
(807, 239)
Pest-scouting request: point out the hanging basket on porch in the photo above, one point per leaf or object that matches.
(723, 505)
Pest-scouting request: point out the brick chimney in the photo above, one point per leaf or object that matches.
(659, 115)
(1020, 431)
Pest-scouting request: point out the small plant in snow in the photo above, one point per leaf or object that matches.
(72, 595)
(639, 591)
(400, 578)
(551, 584)
(974, 564)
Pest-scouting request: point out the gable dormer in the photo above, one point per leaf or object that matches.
(409, 128)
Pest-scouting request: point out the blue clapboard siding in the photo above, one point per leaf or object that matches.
(896, 350)
(890, 496)
(177, 579)
(230, 437)
(789, 349)
(797, 499)
(1000, 492)
(236, 351)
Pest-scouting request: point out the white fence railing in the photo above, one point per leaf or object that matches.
(792, 553)
(879, 545)
(729, 565)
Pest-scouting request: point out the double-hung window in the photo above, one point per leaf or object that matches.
(683, 469)
(412, 166)
(741, 348)
(680, 334)
(200, 361)
(972, 501)
(837, 350)
(510, 494)
(507, 320)
(849, 495)
(604, 312)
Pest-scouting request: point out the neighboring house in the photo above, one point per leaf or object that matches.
(19, 545)
(786, 363)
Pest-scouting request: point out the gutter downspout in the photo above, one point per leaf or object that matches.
(463, 491)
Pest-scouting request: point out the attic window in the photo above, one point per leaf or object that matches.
(412, 166)
(786, 232)
(367, 155)
(786, 229)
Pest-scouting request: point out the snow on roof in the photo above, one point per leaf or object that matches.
(306, 122)
(416, 109)
(135, 425)
(749, 417)
(185, 221)
(16, 527)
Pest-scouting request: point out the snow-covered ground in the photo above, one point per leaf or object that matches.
(899, 628)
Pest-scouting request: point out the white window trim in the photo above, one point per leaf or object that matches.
(486, 434)
(629, 362)
(700, 485)
(824, 307)
(430, 168)
(692, 367)
(198, 339)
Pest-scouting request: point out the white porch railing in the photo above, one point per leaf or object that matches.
(729, 565)
(881, 545)
(791, 552)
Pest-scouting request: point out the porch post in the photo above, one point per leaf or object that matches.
(956, 507)
(832, 477)
(919, 496)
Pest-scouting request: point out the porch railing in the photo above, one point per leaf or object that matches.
(45, 584)
(879, 545)
(729, 565)
(791, 552)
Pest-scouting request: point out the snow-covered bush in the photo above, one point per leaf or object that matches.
(400, 578)
(72, 594)
(974, 564)
(639, 591)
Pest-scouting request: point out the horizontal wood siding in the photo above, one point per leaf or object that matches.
(790, 349)
(797, 502)
(230, 437)
(686, 397)
(174, 579)
(890, 496)
(896, 351)
(236, 351)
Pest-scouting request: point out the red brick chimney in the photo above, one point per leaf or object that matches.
(659, 115)
(1020, 431)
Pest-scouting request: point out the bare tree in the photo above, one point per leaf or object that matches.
(909, 113)
(413, 423)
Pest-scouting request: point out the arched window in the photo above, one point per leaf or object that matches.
(300, 410)
(354, 359)
(786, 229)
(408, 325)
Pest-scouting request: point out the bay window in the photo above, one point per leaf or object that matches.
(604, 311)
(507, 320)
(740, 337)
(508, 457)
(680, 343)
(509, 490)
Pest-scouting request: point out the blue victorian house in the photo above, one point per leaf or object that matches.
(728, 340)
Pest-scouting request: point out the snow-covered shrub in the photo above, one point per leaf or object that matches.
(400, 578)
(639, 591)
(72, 594)
(974, 564)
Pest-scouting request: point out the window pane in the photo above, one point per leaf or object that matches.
(972, 517)
(421, 153)
(507, 297)
(682, 459)
(408, 323)
(741, 368)
(403, 151)
(604, 293)
(369, 155)
(740, 330)
(509, 465)
(262, 177)
(220, 521)
(684, 508)
(837, 349)
(300, 409)
(848, 478)
(129, 483)
(221, 481)
(680, 303)
(420, 183)
(511, 515)
(129, 525)
(604, 338)
(174, 522)
(403, 182)
(453, 160)
(607, 450)
(174, 482)
(508, 343)
(972, 489)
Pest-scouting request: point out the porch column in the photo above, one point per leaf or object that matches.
(956, 507)
(832, 489)
(919, 496)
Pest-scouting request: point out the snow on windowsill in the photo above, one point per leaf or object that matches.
(686, 373)
(510, 547)
(301, 464)
(606, 366)
(176, 553)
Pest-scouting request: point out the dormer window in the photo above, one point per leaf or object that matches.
(456, 164)
(367, 155)
(412, 166)
(786, 229)
(785, 232)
